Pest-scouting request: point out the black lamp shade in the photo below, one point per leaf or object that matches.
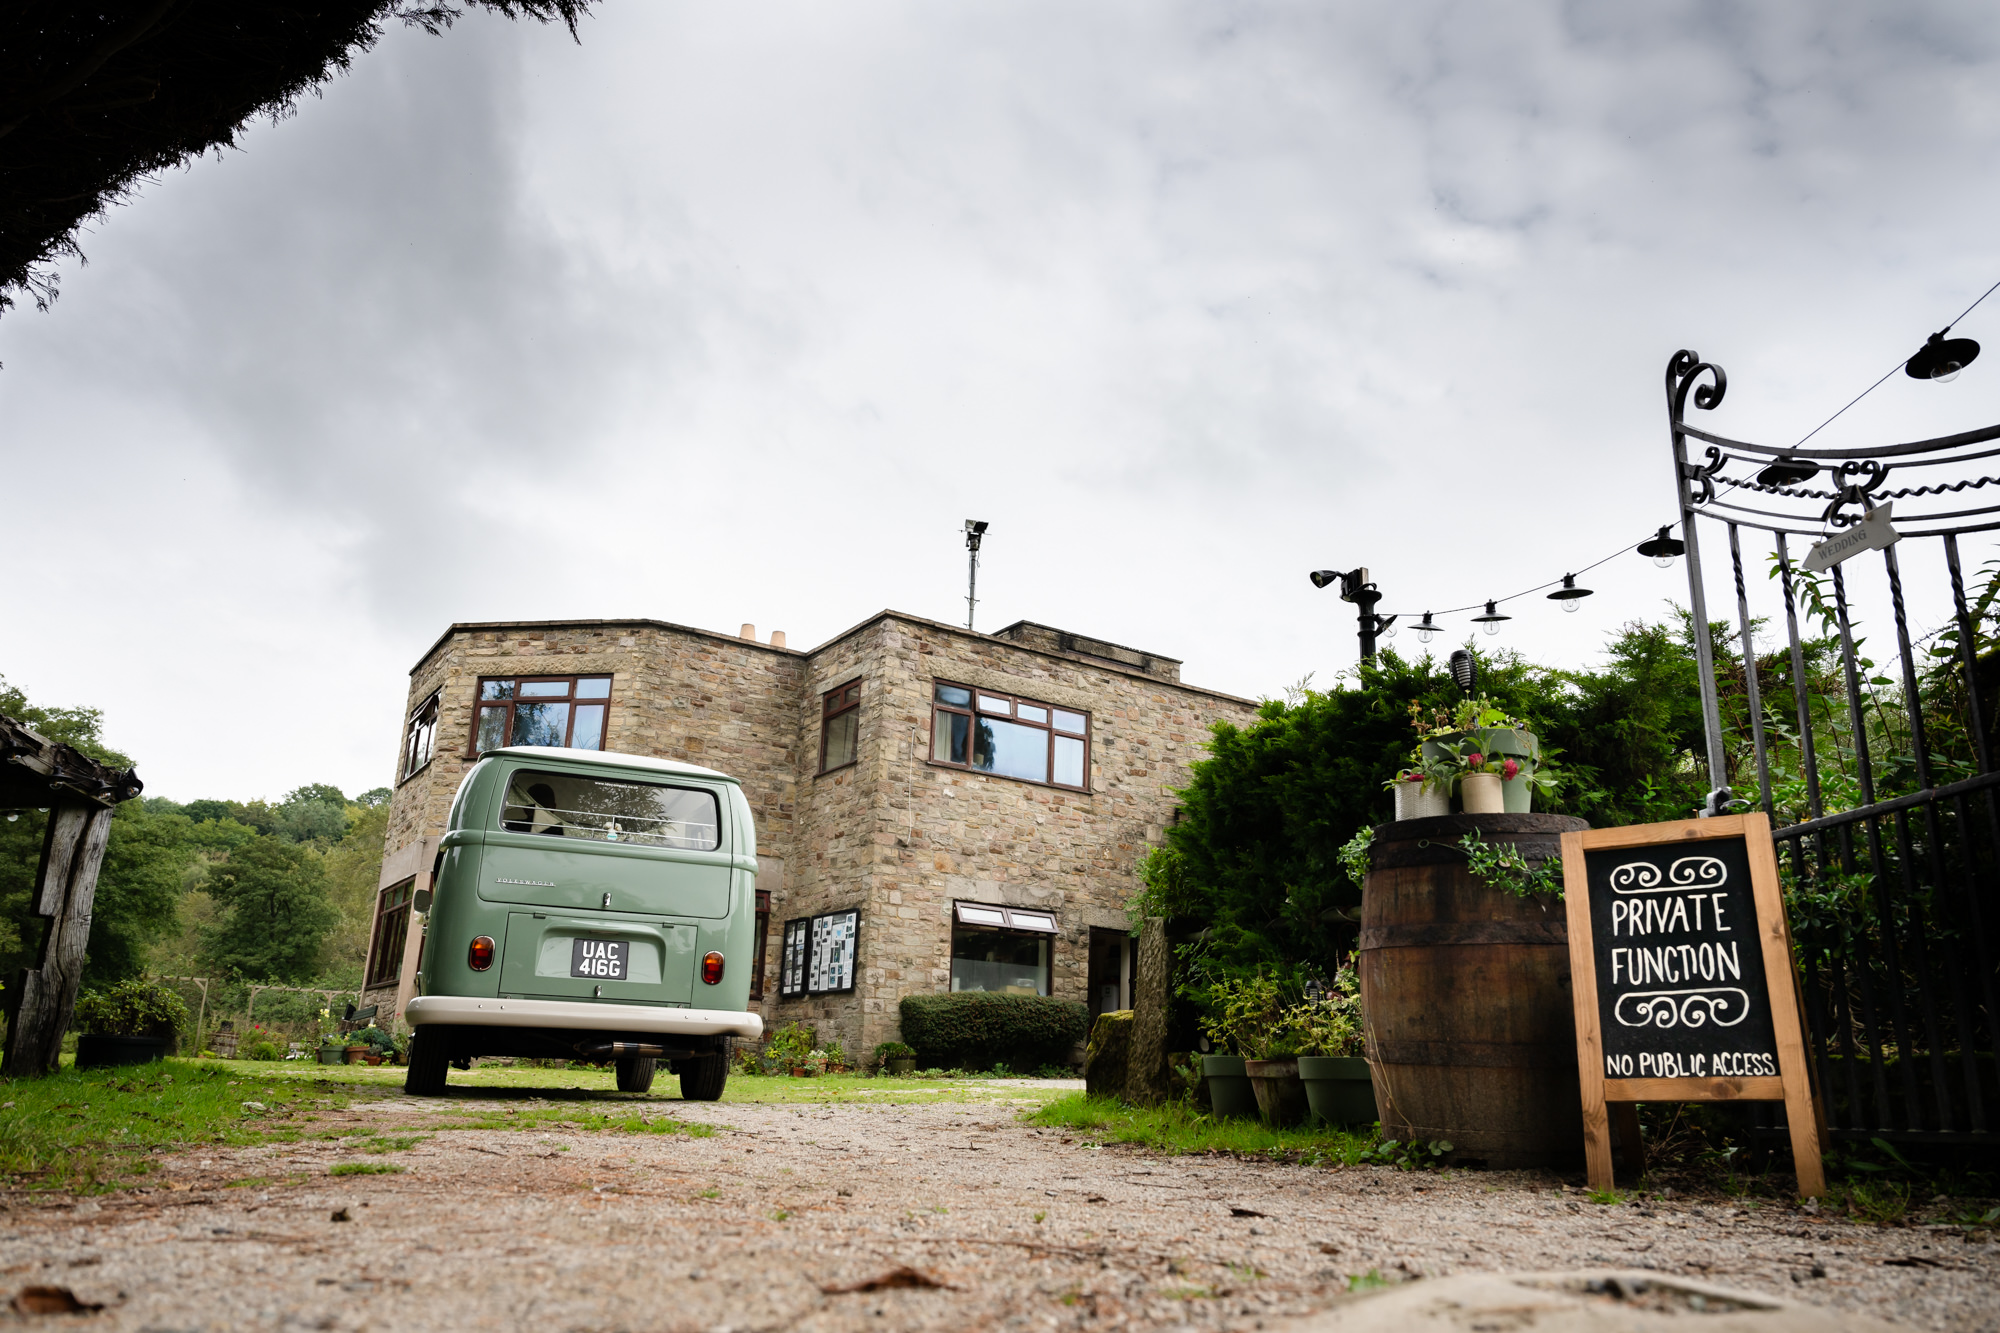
(1662, 545)
(1322, 577)
(1787, 472)
(1492, 616)
(1941, 358)
(1569, 592)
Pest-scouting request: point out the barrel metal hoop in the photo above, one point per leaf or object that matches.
(1475, 1054)
(1418, 935)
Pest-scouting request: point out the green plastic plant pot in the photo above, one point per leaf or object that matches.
(901, 1065)
(1229, 1093)
(333, 1055)
(1339, 1089)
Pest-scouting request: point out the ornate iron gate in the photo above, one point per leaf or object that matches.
(1879, 780)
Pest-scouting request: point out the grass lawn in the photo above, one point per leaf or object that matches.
(1180, 1128)
(98, 1129)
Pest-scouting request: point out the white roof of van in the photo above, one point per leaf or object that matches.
(644, 761)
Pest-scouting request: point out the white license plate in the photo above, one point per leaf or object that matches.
(598, 960)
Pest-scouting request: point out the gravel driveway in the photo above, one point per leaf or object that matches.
(823, 1217)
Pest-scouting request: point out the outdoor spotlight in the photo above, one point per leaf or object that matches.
(1464, 671)
(1490, 622)
(1787, 472)
(1569, 594)
(1426, 628)
(1322, 577)
(1662, 548)
(1940, 358)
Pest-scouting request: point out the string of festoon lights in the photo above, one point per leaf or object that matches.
(1663, 548)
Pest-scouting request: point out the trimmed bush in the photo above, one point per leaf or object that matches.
(977, 1029)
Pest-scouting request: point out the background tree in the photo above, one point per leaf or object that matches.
(274, 913)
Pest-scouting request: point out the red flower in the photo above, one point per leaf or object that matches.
(1508, 768)
(1475, 760)
(1413, 777)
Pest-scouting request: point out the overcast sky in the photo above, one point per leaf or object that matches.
(736, 312)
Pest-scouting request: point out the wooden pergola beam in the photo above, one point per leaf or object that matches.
(80, 794)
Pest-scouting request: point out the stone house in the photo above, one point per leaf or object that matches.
(936, 809)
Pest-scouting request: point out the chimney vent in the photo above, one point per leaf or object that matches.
(777, 638)
(748, 632)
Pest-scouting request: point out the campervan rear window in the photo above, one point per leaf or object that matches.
(569, 805)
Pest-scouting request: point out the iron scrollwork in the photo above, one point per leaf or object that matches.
(1853, 493)
(1684, 373)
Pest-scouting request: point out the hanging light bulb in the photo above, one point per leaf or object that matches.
(1490, 622)
(1426, 629)
(1940, 359)
(1387, 629)
(1662, 548)
(1569, 594)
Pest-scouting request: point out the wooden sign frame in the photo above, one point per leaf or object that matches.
(1792, 1085)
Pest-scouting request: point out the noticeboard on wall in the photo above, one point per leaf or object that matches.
(819, 954)
(1682, 978)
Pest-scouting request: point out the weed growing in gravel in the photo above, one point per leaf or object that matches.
(365, 1169)
(1178, 1128)
(617, 1119)
(1368, 1281)
(1606, 1197)
(95, 1129)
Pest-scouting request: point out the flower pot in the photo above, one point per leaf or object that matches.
(1229, 1091)
(356, 1054)
(372, 1058)
(1481, 794)
(1420, 800)
(900, 1065)
(1281, 1096)
(102, 1050)
(1339, 1089)
(1519, 796)
(332, 1055)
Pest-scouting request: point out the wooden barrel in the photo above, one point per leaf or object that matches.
(1466, 990)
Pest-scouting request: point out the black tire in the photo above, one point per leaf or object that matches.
(430, 1058)
(702, 1077)
(635, 1073)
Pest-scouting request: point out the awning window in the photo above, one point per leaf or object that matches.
(1004, 918)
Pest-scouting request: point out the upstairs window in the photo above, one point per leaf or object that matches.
(421, 737)
(542, 710)
(1010, 737)
(840, 724)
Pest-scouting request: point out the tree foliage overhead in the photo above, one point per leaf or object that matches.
(94, 98)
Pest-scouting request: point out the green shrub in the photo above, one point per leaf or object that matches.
(893, 1050)
(793, 1050)
(976, 1029)
(133, 1008)
(260, 1050)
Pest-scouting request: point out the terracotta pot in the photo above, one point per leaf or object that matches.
(372, 1059)
(1480, 794)
(1281, 1095)
(356, 1054)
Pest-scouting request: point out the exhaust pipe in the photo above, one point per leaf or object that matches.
(613, 1050)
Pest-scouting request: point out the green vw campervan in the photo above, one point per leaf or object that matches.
(589, 906)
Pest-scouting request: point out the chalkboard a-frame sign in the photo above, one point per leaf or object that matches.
(1681, 971)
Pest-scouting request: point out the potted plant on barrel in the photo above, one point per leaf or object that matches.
(1339, 1088)
(1422, 788)
(1479, 741)
(130, 1023)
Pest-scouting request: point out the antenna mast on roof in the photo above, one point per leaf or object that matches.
(975, 528)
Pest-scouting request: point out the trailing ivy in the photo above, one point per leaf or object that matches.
(1501, 866)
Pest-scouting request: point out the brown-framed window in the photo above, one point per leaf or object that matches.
(541, 710)
(840, 726)
(1010, 737)
(763, 943)
(421, 738)
(392, 934)
(1001, 949)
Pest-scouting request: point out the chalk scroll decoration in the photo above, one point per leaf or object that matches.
(1689, 872)
(1724, 1006)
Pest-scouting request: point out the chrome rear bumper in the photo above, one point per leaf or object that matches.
(595, 1016)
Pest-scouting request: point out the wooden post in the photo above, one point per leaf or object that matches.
(44, 996)
(1146, 1067)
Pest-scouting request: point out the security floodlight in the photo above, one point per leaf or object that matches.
(1356, 587)
(975, 529)
(1322, 577)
